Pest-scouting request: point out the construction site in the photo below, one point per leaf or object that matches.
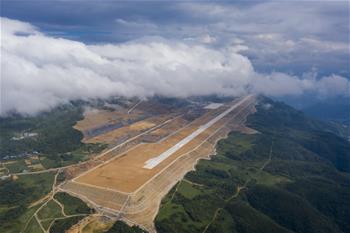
(148, 153)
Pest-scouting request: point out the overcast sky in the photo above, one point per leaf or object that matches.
(56, 51)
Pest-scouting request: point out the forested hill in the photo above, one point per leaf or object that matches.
(293, 176)
(49, 135)
(332, 110)
(294, 126)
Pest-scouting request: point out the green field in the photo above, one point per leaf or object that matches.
(50, 211)
(16, 166)
(33, 227)
(17, 195)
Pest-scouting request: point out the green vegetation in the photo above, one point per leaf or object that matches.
(17, 215)
(241, 217)
(72, 205)
(294, 128)
(33, 226)
(63, 218)
(61, 225)
(50, 211)
(289, 210)
(61, 177)
(293, 176)
(189, 191)
(46, 223)
(56, 141)
(54, 129)
(121, 227)
(16, 166)
(17, 195)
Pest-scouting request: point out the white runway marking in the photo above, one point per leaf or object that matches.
(213, 106)
(152, 163)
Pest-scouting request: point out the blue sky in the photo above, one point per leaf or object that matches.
(277, 48)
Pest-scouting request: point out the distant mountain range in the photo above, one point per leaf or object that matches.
(334, 110)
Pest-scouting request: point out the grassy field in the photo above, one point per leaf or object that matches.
(17, 195)
(278, 180)
(33, 227)
(16, 166)
(50, 211)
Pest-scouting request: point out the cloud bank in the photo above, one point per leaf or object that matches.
(285, 36)
(40, 72)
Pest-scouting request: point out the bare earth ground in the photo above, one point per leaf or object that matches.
(91, 224)
(120, 187)
(97, 117)
(126, 173)
(126, 131)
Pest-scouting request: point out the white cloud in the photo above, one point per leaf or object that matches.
(282, 36)
(332, 86)
(40, 72)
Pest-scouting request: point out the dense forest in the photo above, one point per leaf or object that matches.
(292, 176)
(121, 227)
(54, 131)
(55, 140)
